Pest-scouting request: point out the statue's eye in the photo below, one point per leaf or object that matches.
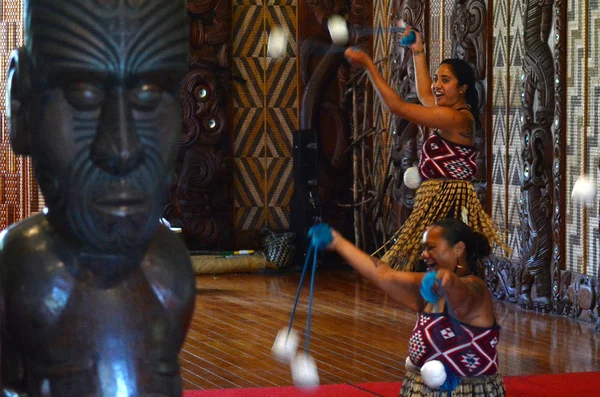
(86, 96)
(146, 96)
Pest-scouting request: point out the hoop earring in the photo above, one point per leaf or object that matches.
(457, 265)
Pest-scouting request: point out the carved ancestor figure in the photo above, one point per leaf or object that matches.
(96, 296)
(469, 43)
(406, 142)
(537, 145)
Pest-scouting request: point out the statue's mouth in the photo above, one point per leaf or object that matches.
(121, 202)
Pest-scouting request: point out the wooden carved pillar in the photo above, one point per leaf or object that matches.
(200, 197)
(408, 136)
(469, 43)
(537, 154)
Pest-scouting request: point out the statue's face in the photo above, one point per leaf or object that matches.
(107, 118)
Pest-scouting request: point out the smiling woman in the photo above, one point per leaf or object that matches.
(455, 332)
(448, 160)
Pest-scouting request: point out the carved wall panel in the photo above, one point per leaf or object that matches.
(200, 197)
(408, 136)
(537, 153)
(469, 32)
(19, 194)
(557, 106)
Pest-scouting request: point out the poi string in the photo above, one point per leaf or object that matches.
(320, 237)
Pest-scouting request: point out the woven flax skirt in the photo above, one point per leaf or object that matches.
(436, 199)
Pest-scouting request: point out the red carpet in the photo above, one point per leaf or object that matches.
(562, 385)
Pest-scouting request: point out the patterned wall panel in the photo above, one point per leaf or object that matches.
(507, 118)
(576, 32)
(265, 115)
(515, 121)
(593, 133)
(19, 195)
(435, 38)
(500, 113)
(448, 12)
(583, 93)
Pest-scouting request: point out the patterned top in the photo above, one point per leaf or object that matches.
(442, 159)
(467, 350)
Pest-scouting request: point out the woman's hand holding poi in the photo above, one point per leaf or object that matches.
(358, 57)
(417, 46)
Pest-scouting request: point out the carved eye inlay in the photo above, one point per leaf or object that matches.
(86, 96)
(146, 96)
(211, 124)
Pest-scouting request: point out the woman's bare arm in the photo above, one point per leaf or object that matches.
(468, 297)
(422, 76)
(403, 287)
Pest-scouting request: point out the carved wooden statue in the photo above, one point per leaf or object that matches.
(537, 146)
(407, 134)
(96, 296)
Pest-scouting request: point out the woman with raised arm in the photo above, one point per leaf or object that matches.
(456, 332)
(448, 157)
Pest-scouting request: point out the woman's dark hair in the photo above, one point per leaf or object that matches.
(466, 76)
(477, 245)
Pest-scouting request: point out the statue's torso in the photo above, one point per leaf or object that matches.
(80, 339)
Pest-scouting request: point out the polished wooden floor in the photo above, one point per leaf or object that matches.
(358, 334)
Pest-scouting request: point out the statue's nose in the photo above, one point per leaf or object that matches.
(116, 148)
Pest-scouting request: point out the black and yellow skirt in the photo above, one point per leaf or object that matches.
(437, 199)
(480, 386)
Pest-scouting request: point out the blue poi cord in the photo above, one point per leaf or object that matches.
(320, 237)
(434, 297)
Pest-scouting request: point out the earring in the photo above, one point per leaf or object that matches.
(457, 265)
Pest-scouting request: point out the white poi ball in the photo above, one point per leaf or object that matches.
(412, 177)
(338, 29)
(433, 374)
(285, 345)
(277, 44)
(584, 190)
(304, 371)
(409, 364)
